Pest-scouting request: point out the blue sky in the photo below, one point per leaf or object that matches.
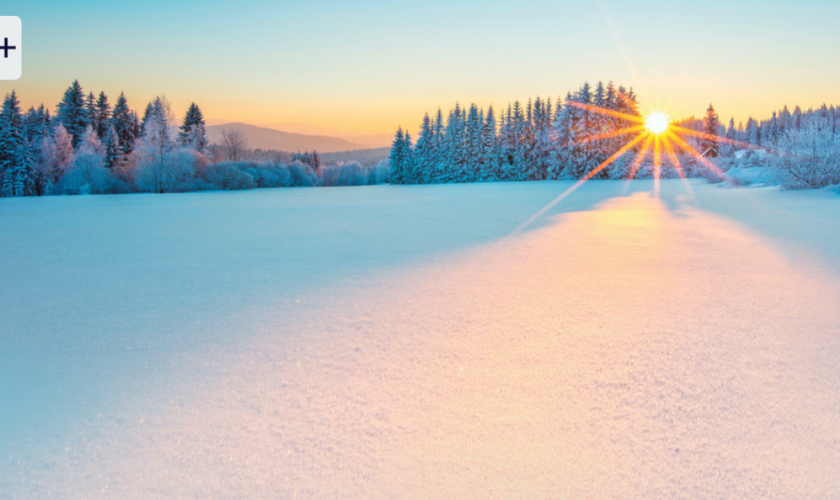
(369, 66)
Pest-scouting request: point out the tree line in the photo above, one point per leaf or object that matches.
(90, 146)
(538, 141)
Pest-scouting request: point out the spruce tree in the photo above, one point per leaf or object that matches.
(22, 172)
(113, 153)
(489, 165)
(93, 114)
(423, 152)
(436, 161)
(472, 161)
(123, 123)
(73, 112)
(407, 160)
(103, 116)
(711, 126)
(193, 134)
(11, 137)
(395, 159)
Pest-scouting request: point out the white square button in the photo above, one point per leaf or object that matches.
(11, 40)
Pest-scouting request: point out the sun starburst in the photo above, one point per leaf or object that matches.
(657, 132)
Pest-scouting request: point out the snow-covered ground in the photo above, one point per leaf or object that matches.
(399, 342)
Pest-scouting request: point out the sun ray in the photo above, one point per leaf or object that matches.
(629, 102)
(677, 165)
(604, 111)
(579, 183)
(615, 133)
(640, 158)
(657, 164)
(717, 138)
(697, 156)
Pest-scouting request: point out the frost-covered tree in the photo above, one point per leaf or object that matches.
(112, 147)
(423, 153)
(562, 135)
(57, 156)
(396, 160)
(489, 168)
(542, 146)
(73, 112)
(407, 159)
(161, 166)
(711, 126)
(193, 134)
(123, 123)
(811, 156)
(90, 143)
(11, 138)
(474, 154)
(437, 152)
(20, 176)
(102, 112)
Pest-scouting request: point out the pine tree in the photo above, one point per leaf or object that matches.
(192, 134)
(562, 136)
(490, 163)
(773, 134)
(124, 125)
(11, 111)
(73, 112)
(407, 159)
(37, 123)
(22, 172)
(472, 161)
(436, 160)
(453, 147)
(147, 115)
(92, 113)
(711, 126)
(395, 160)
(103, 116)
(112, 147)
(423, 152)
(11, 138)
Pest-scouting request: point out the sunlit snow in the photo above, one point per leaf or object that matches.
(400, 342)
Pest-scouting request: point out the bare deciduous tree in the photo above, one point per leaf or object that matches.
(234, 143)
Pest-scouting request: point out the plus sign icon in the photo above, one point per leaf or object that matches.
(11, 42)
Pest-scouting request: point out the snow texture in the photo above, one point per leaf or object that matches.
(399, 342)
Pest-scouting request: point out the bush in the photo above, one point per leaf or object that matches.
(88, 175)
(171, 172)
(346, 174)
(302, 175)
(226, 176)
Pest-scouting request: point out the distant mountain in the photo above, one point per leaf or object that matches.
(267, 138)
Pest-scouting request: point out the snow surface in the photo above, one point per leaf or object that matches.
(399, 342)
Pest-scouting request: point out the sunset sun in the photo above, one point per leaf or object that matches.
(656, 123)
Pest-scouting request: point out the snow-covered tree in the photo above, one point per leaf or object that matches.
(73, 112)
(57, 156)
(103, 116)
(489, 168)
(90, 143)
(396, 159)
(811, 156)
(423, 152)
(192, 134)
(161, 166)
(20, 176)
(123, 123)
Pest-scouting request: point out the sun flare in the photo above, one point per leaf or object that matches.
(656, 123)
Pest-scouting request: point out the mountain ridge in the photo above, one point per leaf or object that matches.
(268, 138)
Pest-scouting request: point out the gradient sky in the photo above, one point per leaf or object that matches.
(357, 67)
